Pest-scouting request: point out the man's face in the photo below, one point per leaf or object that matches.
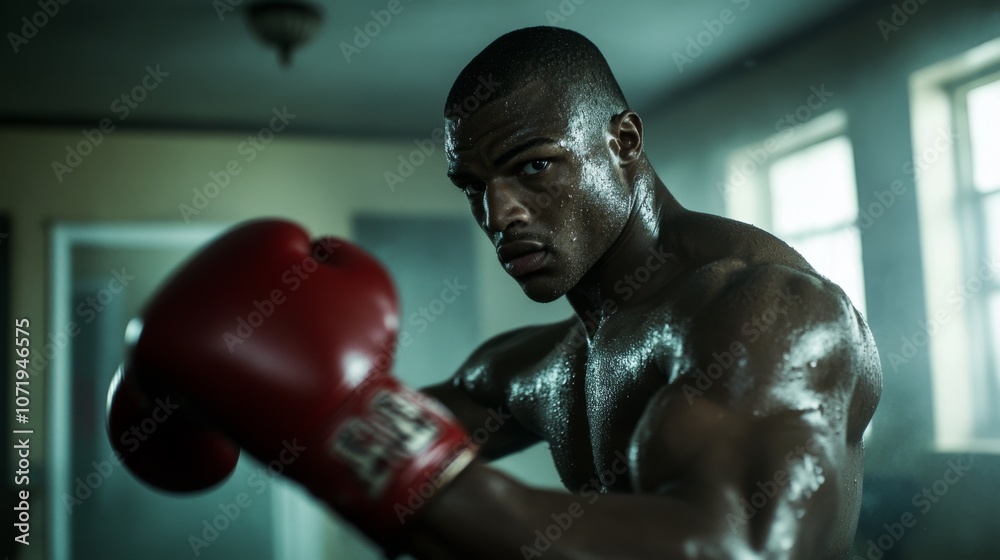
(542, 182)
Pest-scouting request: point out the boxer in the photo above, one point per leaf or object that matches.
(734, 379)
(707, 399)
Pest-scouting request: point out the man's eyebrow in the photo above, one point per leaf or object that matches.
(524, 146)
(510, 154)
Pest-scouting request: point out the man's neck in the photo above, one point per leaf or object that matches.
(641, 260)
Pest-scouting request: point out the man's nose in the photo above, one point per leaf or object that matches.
(504, 206)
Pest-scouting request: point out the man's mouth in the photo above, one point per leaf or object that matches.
(522, 257)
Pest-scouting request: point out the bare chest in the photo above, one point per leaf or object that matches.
(586, 401)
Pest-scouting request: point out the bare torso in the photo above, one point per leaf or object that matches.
(586, 399)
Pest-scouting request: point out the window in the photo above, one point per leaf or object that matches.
(977, 116)
(814, 208)
(806, 195)
(959, 209)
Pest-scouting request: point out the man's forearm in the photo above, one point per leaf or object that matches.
(486, 514)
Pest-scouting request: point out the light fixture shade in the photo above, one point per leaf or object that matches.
(285, 25)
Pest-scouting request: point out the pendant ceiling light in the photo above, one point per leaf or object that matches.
(284, 25)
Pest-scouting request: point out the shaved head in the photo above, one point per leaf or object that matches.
(564, 60)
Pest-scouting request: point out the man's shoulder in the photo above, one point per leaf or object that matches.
(741, 263)
(793, 337)
(490, 368)
(745, 285)
(744, 290)
(522, 340)
(785, 320)
(710, 238)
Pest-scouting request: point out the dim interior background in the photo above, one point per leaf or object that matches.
(867, 134)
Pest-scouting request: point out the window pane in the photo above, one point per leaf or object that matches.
(984, 129)
(814, 188)
(994, 308)
(991, 211)
(837, 255)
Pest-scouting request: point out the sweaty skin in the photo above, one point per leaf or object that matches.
(707, 399)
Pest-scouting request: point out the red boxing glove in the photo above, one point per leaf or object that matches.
(162, 442)
(285, 345)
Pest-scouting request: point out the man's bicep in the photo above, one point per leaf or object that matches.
(791, 490)
(770, 482)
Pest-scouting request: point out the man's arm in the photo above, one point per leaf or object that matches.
(477, 393)
(491, 426)
(754, 463)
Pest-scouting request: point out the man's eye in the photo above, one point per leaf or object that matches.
(535, 167)
(473, 188)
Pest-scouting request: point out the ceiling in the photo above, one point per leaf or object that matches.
(87, 55)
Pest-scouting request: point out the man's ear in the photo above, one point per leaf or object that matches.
(626, 136)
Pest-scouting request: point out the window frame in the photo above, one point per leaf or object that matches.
(943, 241)
(972, 220)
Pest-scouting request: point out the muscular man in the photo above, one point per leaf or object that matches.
(706, 400)
(712, 386)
